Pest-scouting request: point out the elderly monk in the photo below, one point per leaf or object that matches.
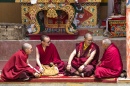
(18, 67)
(110, 64)
(47, 53)
(84, 58)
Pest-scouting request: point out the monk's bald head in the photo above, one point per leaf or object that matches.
(87, 35)
(106, 41)
(88, 39)
(26, 46)
(43, 37)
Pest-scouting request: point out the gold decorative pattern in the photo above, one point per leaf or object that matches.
(55, 1)
(61, 25)
(94, 0)
(34, 9)
(71, 1)
(43, 1)
(118, 28)
(51, 13)
(24, 11)
(46, 5)
(92, 21)
(92, 8)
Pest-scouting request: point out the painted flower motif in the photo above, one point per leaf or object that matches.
(80, 16)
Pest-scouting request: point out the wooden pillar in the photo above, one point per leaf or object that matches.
(128, 40)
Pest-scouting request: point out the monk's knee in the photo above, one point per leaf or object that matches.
(97, 73)
(88, 71)
(89, 68)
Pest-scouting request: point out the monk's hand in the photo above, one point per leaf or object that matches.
(41, 70)
(68, 67)
(81, 68)
(78, 55)
(37, 75)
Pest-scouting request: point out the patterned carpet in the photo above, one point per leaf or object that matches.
(76, 79)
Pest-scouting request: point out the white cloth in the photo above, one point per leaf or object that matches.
(31, 29)
(76, 21)
(110, 7)
(33, 1)
(76, 1)
(107, 24)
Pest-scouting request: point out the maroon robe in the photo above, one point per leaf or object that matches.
(111, 63)
(50, 55)
(78, 61)
(16, 65)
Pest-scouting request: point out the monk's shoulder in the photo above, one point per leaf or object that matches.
(80, 44)
(94, 45)
(17, 55)
(38, 45)
(52, 45)
(114, 49)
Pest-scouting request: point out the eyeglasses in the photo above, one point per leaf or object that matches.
(48, 42)
(90, 40)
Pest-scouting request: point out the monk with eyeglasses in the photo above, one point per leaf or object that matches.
(83, 59)
(47, 53)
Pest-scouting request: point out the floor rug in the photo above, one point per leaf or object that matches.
(75, 79)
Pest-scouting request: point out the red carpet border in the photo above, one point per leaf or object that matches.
(74, 79)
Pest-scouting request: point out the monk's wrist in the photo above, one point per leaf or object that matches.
(84, 64)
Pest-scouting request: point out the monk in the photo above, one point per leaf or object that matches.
(110, 65)
(47, 53)
(18, 67)
(83, 59)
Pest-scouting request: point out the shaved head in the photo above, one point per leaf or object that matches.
(87, 35)
(88, 39)
(43, 37)
(106, 41)
(26, 46)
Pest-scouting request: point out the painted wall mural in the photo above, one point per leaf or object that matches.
(79, 15)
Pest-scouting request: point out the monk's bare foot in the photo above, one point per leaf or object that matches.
(76, 73)
(82, 74)
(26, 79)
